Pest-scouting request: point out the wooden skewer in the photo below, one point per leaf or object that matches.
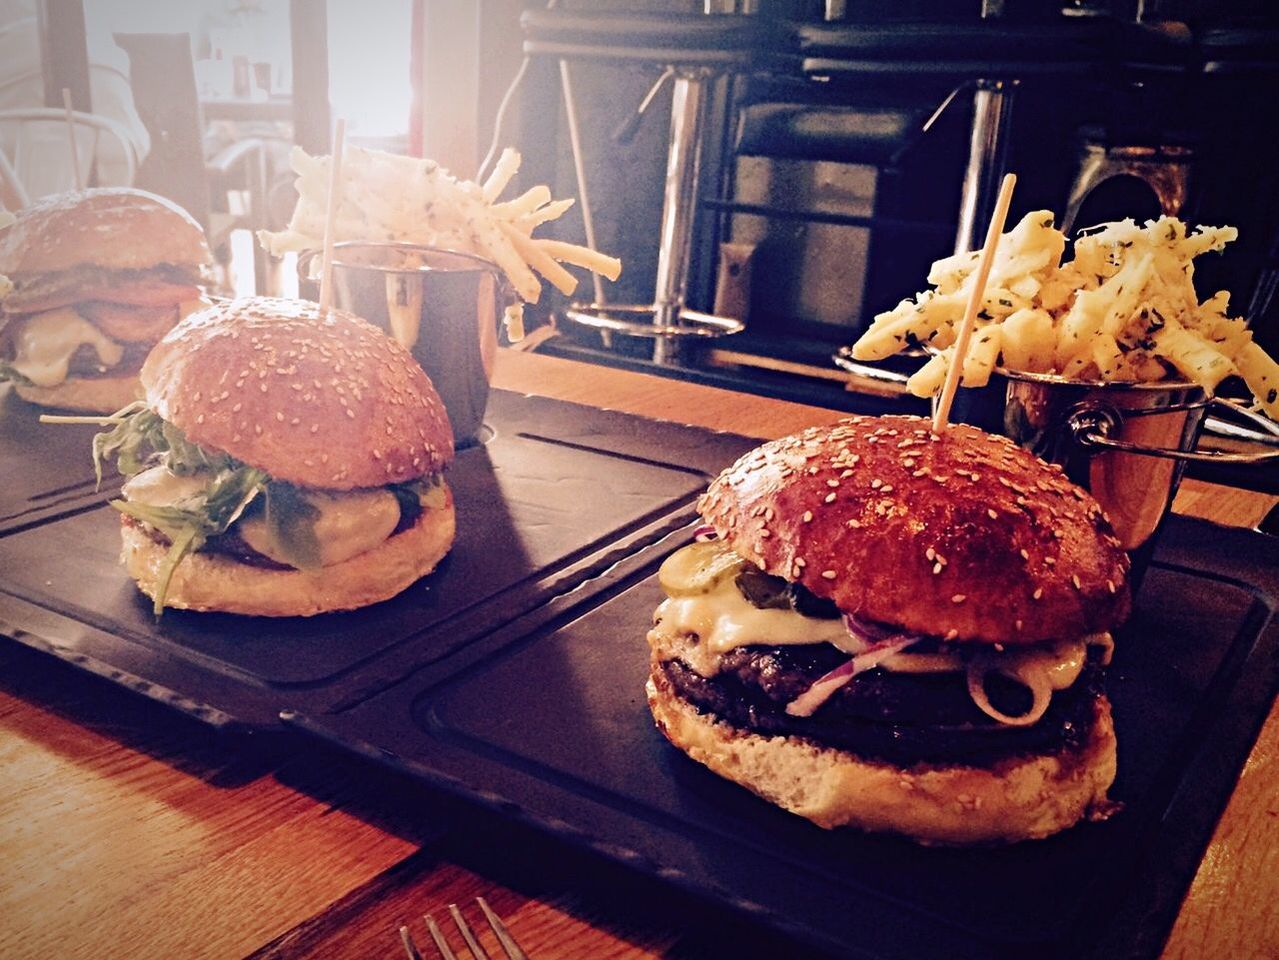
(941, 415)
(71, 138)
(330, 215)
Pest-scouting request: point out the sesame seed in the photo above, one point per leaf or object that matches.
(876, 483)
(1017, 624)
(1110, 585)
(828, 574)
(1025, 555)
(1075, 581)
(832, 483)
(257, 429)
(952, 633)
(930, 553)
(830, 498)
(279, 416)
(958, 598)
(993, 514)
(854, 524)
(1039, 592)
(937, 568)
(1050, 561)
(350, 413)
(801, 562)
(808, 516)
(886, 488)
(765, 533)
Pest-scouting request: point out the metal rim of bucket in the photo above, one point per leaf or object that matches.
(307, 257)
(1092, 423)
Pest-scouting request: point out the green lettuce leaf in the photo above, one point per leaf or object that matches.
(191, 521)
(290, 520)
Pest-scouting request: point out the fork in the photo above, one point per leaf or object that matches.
(509, 946)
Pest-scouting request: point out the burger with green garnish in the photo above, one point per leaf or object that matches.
(284, 462)
(891, 629)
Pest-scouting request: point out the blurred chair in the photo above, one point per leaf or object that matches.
(223, 186)
(36, 144)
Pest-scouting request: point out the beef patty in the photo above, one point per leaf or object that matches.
(901, 718)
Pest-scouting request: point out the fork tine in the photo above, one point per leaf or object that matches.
(477, 951)
(513, 951)
(442, 945)
(410, 947)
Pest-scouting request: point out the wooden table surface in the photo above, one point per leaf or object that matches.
(130, 831)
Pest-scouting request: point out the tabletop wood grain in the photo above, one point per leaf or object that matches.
(129, 831)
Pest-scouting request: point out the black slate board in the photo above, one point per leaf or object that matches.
(547, 725)
(46, 470)
(552, 499)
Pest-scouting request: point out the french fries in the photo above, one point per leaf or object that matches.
(390, 197)
(1124, 308)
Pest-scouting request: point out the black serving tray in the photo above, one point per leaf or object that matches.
(552, 499)
(46, 470)
(545, 723)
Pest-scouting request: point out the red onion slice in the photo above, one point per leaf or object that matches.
(808, 702)
(869, 632)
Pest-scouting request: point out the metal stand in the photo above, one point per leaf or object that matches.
(987, 160)
(669, 319)
(1165, 169)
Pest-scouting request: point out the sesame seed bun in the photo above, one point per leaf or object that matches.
(207, 581)
(965, 535)
(1021, 798)
(318, 400)
(85, 394)
(113, 228)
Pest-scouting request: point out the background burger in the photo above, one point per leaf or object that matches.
(284, 462)
(98, 277)
(897, 631)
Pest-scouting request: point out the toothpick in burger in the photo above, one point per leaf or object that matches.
(896, 630)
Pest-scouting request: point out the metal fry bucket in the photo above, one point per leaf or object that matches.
(442, 305)
(1127, 443)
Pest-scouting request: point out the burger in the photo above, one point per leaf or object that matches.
(284, 462)
(896, 630)
(98, 277)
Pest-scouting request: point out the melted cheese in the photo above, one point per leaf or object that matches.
(725, 620)
(348, 524)
(47, 341)
(158, 487)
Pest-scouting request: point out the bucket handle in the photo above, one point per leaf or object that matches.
(1091, 425)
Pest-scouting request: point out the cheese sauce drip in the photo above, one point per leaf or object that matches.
(47, 341)
(724, 620)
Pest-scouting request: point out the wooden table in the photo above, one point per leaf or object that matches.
(129, 831)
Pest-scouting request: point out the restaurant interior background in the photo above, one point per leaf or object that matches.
(841, 147)
(823, 192)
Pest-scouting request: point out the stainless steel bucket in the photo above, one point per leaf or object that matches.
(1127, 443)
(442, 305)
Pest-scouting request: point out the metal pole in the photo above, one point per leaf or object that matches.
(678, 204)
(987, 159)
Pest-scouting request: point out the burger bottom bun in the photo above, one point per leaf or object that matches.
(1022, 798)
(86, 395)
(213, 582)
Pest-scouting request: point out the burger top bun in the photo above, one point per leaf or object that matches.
(112, 227)
(964, 535)
(319, 400)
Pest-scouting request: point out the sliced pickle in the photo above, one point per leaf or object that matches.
(698, 568)
(763, 591)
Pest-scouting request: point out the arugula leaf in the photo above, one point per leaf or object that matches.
(290, 520)
(189, 523)
(9, 372)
